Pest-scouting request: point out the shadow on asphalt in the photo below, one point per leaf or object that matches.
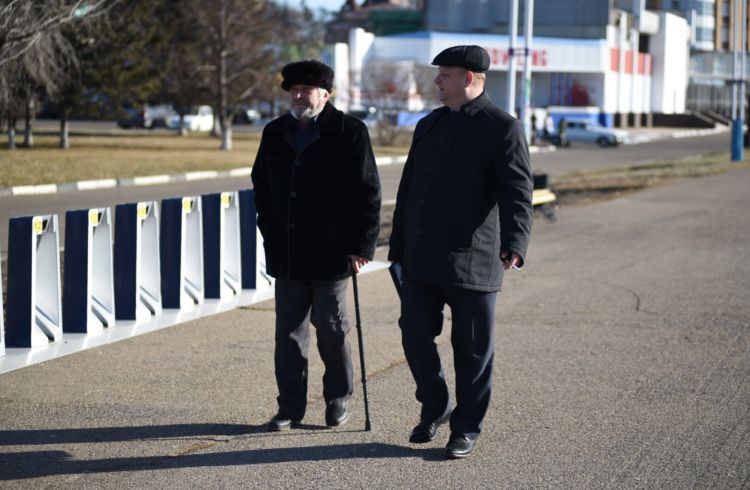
(36, 464)
(116, 434)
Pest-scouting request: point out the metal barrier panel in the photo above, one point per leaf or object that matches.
(253, 256)
(181, 249)
(88, 288)
(2, 317)
(221, 245)
(34, 312)
(136, 264)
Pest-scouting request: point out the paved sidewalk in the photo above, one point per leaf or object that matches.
(623, 354)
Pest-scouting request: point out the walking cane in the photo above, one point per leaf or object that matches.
(361, 351)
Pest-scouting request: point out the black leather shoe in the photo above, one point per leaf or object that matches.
(281, 422)
(426, 430)
(337, 413)
(459, 446)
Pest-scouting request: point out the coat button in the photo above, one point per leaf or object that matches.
(293, 194)
(291, 226)
(420, 233)
(297, 163)
(422, 201)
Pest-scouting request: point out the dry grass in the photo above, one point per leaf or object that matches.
(121, 156)
(608, 183)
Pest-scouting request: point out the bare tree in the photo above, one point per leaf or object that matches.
(35, 55)
(24, 23)
(236, 53)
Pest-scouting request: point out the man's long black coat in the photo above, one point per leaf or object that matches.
(465, 196)
(320, 205)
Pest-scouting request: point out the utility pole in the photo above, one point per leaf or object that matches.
(511, 101)
(738, 81)
(528, 16)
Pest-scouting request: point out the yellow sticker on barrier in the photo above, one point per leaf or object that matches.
(37, 224)
(142, 210)
(94, 217)
(187, 204)
(226, 198)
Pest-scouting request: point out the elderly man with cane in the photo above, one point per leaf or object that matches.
(317, 194)
(463, 216)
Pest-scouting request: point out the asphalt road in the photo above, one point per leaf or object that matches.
(622, 360)
(577, 157)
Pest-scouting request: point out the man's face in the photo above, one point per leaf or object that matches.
(306, 102)
(451, 83)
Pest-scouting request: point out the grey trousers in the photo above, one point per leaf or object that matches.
(322, 303)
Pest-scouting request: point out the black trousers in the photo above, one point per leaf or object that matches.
(472, 335)
(298, 303)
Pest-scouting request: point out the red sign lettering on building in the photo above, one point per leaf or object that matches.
(502, 56)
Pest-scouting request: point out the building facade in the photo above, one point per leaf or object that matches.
(615, 66)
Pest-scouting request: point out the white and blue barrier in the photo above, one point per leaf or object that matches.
(254, 274)
(136, 264)
(34, 313)
(221, 245)
(88, 287)
(2, 317)
(157, 262)
(181, 249)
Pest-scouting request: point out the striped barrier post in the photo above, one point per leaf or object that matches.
(136, 264)
(88, 287)
(34, 316)
(181, 253)
(221, 245)
(254, 274)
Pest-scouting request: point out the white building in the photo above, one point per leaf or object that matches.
(600, 77)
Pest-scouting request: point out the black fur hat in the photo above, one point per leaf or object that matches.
(310, 72)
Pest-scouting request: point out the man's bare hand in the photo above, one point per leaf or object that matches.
(357, 262)
(510, 260)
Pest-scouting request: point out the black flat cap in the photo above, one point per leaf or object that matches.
(472, 58)
(310, 72)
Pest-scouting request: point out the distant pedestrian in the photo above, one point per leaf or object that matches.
(317, 195)
(562, 132)
(463, 215)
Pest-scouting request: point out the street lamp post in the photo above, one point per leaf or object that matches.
(738, 82)
(511, 101)
(528, 15)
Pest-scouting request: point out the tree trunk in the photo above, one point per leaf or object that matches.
(215, 127)
(226, 137)
(181, 129)
(11, 133)
(64, 129)
(28, 134)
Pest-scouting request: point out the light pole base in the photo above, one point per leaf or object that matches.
(737, 141)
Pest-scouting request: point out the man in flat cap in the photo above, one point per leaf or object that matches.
(463, 217)
(317, 195)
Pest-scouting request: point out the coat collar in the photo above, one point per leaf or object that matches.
(470, 108)
(473, 106)
(329, 120)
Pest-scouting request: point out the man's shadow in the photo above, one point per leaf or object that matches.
(36, 464)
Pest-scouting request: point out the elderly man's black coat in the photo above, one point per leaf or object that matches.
(465, 196)
(318, 206)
